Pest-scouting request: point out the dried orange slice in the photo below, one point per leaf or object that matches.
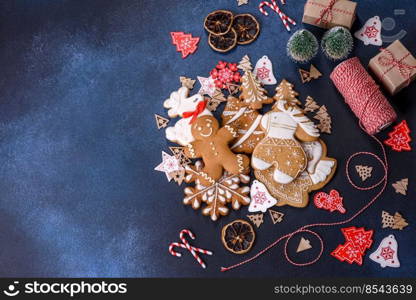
(238, 236)
(219, 22)
(223, 43)
(247, 28)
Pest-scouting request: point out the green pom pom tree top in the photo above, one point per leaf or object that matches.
(302, 46)
(337, 43)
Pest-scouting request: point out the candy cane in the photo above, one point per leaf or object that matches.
(273, 5)
(187, 246)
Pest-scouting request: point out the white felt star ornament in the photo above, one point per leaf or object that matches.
(169, 165)
(207, 86)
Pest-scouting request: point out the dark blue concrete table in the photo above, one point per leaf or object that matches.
(79, 84)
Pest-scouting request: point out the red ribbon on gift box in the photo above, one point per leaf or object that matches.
(388, 60)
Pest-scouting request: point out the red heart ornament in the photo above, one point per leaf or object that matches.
(331, 202)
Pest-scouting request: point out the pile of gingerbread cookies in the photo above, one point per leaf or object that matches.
(269, 141)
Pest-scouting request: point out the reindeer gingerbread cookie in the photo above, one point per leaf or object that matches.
(280, 149)
(189, 108)
(211, 144)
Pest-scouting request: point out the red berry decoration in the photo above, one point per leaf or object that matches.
(225, 73)
(399, 138)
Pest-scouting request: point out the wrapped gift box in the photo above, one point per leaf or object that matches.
(329, 13)
(394, 66)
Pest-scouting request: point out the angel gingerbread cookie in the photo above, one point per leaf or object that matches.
(280, 149)
(211, 144)
(319, 171)
(247, 123)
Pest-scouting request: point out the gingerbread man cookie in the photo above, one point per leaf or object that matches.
(285, 125)
(211, 144)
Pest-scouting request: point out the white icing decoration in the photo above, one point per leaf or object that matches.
(296, 114)
(249, 132)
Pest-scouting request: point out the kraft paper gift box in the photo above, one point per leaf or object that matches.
(394, 66)
(329, 13)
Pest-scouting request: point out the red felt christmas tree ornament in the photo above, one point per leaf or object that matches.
(399, 139)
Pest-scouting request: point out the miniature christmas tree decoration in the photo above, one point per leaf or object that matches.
(256, 219)
(264, 71)
(364, 171)
(310, 105)
(276, 216)
(304, 244)
(337, 43)
(401, 186)
(161, 122)
(245, 64)
(387, 253)
(302, 46)
(370, 33)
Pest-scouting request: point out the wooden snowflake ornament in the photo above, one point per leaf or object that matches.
(217, 196)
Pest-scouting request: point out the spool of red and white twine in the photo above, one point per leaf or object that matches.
(363, 95)
(374, 113)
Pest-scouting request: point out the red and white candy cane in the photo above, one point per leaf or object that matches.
(273, 5)
(186, 245)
